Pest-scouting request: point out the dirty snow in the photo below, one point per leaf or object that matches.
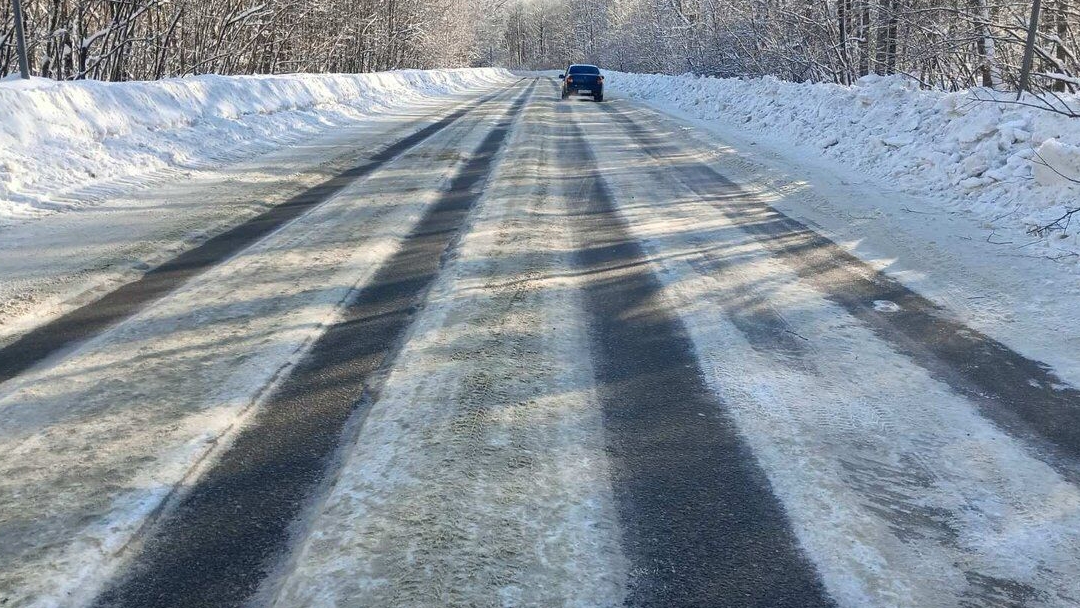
(479, 477)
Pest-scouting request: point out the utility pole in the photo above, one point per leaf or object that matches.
(20, 39)
(1029, 49)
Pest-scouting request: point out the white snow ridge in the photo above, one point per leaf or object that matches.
(61, 142)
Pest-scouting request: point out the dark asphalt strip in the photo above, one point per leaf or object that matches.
(700, 523)
(1023, 397)
(92, 318)
(234, 527)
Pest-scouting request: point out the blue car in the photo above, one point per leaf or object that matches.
(582, 79)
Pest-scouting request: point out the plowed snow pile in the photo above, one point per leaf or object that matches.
(60, 139)
(1001, 161)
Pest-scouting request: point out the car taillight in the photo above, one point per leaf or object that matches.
(600, 79)
(569, 79)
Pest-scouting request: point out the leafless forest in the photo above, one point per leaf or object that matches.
(946, 44)
(149, 39)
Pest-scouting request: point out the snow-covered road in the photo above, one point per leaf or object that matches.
(540, 353)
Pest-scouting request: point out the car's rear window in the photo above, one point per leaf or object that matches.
(584, 69)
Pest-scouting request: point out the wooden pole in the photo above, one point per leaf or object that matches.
(1029, 49)
(20, 39)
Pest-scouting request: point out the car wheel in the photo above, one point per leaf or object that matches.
(598, 97)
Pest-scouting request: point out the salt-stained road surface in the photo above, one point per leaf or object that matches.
(521, 352)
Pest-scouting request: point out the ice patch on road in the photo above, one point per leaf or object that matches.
(886, 306)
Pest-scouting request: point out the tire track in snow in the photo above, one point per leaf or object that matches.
(479, 477)
(700, 523)
(230, 530)
(1023, 397)
(902, 493)
(119, 304)
(101, 439)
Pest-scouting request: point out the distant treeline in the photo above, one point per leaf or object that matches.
(946, 44)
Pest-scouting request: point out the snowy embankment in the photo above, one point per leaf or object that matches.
(60, 140)
(1010, 165)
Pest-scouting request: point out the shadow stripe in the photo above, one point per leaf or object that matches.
(93, 318)
(236, 525)
(700, 523)
(1023, 397)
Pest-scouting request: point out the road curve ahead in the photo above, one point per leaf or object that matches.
(535, 353)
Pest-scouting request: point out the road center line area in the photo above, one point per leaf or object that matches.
(541, 352)
(479, 477)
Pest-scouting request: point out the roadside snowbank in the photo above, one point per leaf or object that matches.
(58, 138)
(1008, 164)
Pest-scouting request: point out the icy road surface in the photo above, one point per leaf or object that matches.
(512, 351)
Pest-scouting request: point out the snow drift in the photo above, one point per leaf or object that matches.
(1000, 160)
(57, 139)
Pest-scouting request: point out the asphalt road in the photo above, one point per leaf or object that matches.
(577, 366)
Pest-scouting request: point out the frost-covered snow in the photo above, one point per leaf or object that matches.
(61, 143)
(964, 153)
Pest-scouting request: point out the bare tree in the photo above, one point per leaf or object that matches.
(952, 44)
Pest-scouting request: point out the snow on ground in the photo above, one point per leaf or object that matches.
(978, 516)
(63, 144)
(1001, 161)
(900, 491)
(977, 263)
(99, 439)
(114, 229)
